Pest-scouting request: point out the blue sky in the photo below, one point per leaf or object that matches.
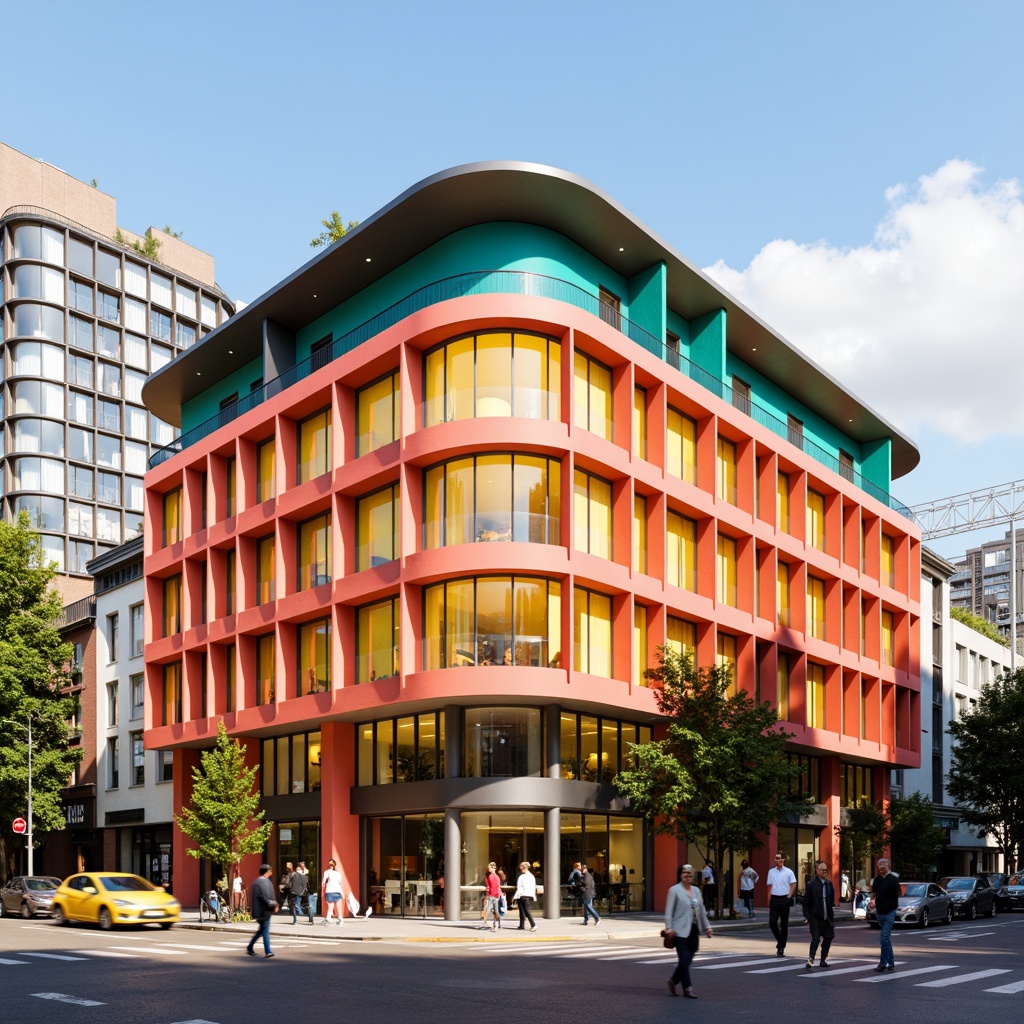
(849, 170)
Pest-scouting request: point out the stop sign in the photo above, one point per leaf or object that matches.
(19, 826)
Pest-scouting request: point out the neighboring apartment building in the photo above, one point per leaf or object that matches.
(981, 582)
(956, 662)
(505, 443)
(84, 318)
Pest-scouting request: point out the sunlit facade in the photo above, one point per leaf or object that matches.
(422, 567)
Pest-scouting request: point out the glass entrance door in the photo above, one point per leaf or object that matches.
(405, 874)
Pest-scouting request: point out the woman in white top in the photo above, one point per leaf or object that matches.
(330, 892)
(748, 879)
(685, 919)
(525, 894)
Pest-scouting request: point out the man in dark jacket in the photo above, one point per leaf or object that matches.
(819, 912)
(297, 885)
(263, 903)
(885, 899)
(588, 896)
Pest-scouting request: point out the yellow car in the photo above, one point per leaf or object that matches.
(108, 898)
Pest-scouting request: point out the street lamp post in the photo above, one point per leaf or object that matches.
(28, 729)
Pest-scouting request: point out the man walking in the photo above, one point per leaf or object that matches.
(575, 887)
(819, 912)
(262, 903)
(885, 898)
(297, 890)
(588, 896)
(781, 886)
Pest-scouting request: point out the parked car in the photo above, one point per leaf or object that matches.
(28, 895)
(998, 882)
(1014, 889)
(971, 895)
(110, 898)
(921, 903)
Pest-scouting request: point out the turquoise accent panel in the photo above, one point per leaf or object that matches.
(707, 343)
(648, 295)
(207, 404)
(877, 464)
(681, 326)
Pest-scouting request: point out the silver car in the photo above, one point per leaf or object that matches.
(28, 895)
(921, 903)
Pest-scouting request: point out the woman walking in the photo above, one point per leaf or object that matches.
(685, 920)
(330, 891)
(748, 879)
(526, 893)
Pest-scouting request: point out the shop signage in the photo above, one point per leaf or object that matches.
(131, 816)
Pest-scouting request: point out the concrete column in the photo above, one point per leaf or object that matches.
(452, 864)
(553, 863)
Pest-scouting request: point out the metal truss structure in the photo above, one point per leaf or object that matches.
(974, 510)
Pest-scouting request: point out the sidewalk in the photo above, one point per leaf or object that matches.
(433, 929)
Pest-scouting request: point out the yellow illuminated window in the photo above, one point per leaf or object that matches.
(592, 633)
(172, 605)
(172, 693)
(592, 513)
(315, 656)
(782, 593)
(887, 639)
(681, 636)
(782, 502)
(726, 571)
(266, 669)
(230, 677)
(640, 643)
(726, 658)
(888, 561)
(315, 552)
(377, 414)
(377, 641)
(681, 449)
(640, 422)
(726, 465)
(172, 517)
(314, 446)
(681, 551)
(815, 608)
(639, 533)
(815, 520)
(266, 569)
(592, 396)
(863, 628)
(265, 470)
(815, 696)
(230, 582)
(782, 686)
(231, 475)
(377, 528)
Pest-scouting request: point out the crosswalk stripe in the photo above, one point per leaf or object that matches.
(842, 970)
(961, 978)
(630, 956)
(662, 960)
(1015, 986)
(12, 962)
(775, 970)
(910, 974)
(528, 948)
(154, 949)
(590, 952)
(104, 952)
(569, 950)
(743, 963)
(960, 936)
(54, 956)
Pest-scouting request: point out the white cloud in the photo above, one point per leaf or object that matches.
(925, 323)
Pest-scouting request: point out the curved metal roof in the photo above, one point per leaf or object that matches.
(508, 190)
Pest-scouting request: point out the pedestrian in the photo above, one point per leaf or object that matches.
(492, 896)
(685, 920)
(588, 896)
(263, 904)
(819, 912)
(330, 891)
(297, 891)
(285, 886)
(709, 888)
(885, 898)
(748, 879)
(526, 893)
(781, 886)
(236, 889)
(575, 884)
(845, 884)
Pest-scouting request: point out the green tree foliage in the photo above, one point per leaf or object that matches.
(222, 817)
(168, 230)
(334, 229)
(33, 671)
(915, 838)
(722, 776)
(979, 625)
(148, 247)
(863, 833)
(986, 774)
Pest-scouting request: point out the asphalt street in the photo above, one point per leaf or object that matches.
(79, 975)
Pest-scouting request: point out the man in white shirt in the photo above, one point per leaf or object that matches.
(781, 886)
(709, 888)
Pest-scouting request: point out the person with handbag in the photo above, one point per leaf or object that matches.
(685, 921)
(526, 893)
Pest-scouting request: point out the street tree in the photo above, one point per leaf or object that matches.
(863, 832)
(334, 229)
(34, 675)
(986, 773)
(721, 776)
(223, 819)
(916, 839)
